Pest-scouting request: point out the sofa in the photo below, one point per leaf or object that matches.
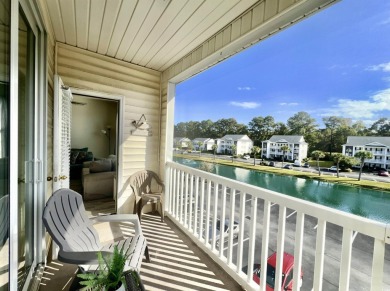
(77, 159)
(99, 178)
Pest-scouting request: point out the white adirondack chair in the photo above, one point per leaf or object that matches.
(66, 221)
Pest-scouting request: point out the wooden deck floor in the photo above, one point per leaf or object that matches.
(176, 262)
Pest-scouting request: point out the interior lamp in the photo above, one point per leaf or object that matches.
(141, 127)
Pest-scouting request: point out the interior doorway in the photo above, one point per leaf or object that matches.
(94, 148)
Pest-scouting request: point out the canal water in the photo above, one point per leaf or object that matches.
(359, 201)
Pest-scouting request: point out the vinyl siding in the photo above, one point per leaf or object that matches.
(140, 89)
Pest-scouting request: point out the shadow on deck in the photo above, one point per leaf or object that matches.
(176, 262)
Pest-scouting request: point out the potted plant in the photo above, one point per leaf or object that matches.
(110, 274)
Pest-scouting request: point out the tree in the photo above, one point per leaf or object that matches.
(362, 155)
(317, 155)
(234, 149)
(214, 147)
(381, 127)
(255, 150)
(228, 126)
(285, 149)
(261, 128)
(337, 129)
(301, 123)
(190, 146)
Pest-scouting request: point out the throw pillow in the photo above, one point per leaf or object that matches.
(81, 157)
(103, 165)
(73, 157)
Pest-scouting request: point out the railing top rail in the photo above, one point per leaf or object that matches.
(375, 229)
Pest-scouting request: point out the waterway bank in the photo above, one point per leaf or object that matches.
(374, 185)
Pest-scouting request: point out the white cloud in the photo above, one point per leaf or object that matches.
(288, 104)
(245, 88)
(385, 67)
(361, 109)
(245, 105)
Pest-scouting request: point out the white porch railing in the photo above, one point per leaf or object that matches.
(320, 238)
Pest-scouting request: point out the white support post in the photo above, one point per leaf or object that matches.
(232, 210)
(223, 216)
(265, 242)
(191, 209)
(377, 265)
(196, 208)
(208, 202)
(201, 209)
(252, 237)
(186, 193)
(215, 217)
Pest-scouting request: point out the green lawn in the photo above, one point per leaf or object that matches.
(307, 175)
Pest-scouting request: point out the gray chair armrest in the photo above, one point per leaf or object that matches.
(84, 258)
(120, 218)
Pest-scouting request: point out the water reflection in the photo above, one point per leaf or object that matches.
(359, 201)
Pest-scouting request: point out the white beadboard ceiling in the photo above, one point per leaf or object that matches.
(150, 33)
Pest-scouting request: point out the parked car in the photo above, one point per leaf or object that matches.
(356, 166)
(246, 157)
(306, 165)
(383, 173)
(287, 272)
(288, 166)
(332, 169)
(225, 228)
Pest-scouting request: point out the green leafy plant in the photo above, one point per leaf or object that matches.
(110, 273)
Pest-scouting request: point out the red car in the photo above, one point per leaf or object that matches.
(287, 272)
(383, 173)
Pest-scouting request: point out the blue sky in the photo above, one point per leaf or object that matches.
(336, 62)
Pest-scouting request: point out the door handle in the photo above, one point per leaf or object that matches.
(62, 177)
(49, 178)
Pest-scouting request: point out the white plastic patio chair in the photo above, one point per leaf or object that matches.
(66, 221)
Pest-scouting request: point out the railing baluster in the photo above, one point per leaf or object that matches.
(191, 217)
(174, 192)
(186, 193)
(299, 231)
(377, 265)
(320, 253)
(265, 242)
(201, 209)
(232, 208)
(241, 221)
(280, 247)
(208, 202)
(346, 255)
(196, 208)
(223, 217)
(181, 196)
(252, 235)
(215, 217)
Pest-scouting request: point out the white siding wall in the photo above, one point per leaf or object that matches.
(140, 88)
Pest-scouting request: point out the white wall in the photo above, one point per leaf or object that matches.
(87, 122)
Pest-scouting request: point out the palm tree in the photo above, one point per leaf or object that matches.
(337, 158)
(214, 148)
(362, 155)
(199, 144)
(318, 155)
(255, 150)
(284, 149)
(234, 148)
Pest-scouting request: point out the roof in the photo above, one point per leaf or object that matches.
(368, 140)
(236, 137)
(202, 139)
(181, 139)
(287, 139)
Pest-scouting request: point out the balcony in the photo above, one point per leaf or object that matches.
(335, 250)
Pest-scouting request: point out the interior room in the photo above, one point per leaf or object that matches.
(93, 160)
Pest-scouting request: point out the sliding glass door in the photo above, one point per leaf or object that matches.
(26, 138)
(4, 143)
